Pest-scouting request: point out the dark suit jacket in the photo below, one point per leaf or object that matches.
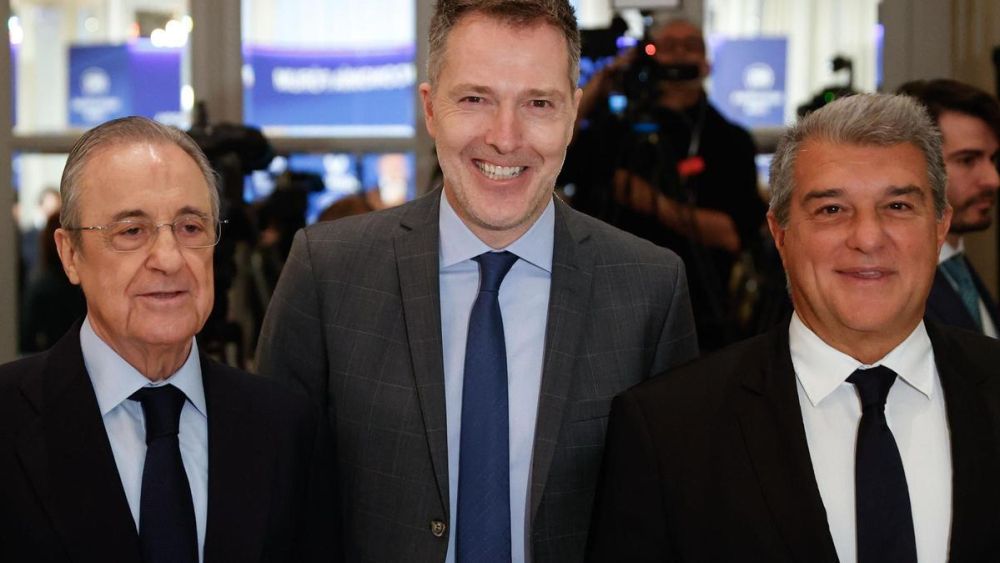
(355, 321)
(945, 306)
(710, 462)
(269, 487)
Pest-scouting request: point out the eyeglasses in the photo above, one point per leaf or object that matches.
(190, 231)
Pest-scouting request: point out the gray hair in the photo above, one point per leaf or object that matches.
(118, 132)
(516, 13)
(878, 120)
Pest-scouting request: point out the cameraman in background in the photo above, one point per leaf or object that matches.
(670, 168)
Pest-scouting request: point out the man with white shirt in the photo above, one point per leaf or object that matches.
(969, 120)
(857, 432)
(122, 443)
(466, 345)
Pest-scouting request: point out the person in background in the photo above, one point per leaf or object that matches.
(969, 120)
(122, 442)
(691, 186)
(30, 248)
(855, 432)
(51, 304)
(391, 188)
(466, 345)
(48, 207)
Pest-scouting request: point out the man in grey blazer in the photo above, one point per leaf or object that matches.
(382, 317)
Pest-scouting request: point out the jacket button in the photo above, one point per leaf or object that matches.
(438, 528)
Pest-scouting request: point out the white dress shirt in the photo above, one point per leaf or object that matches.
(947, 251)
(915, 411)
(524, 304)
(114, 380)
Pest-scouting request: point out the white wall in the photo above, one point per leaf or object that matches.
(918, 40)
(817, 30)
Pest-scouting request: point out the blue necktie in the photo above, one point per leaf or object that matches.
(882, 499)
(483, 531)
(167, 532)
(957, 272)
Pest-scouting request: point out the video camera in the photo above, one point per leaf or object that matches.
(639, 85)
(643, 79)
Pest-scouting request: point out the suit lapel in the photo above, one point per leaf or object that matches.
(67, 457)
(945, 304)
(417, 262)
(984, 294)
(771, 422)
(239, 471)
(974, 455)
(572, 274)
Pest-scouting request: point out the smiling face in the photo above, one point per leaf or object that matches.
(154, 299)
(861, 244)
(501, 114)
(970, 155)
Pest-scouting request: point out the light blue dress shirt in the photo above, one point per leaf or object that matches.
(524, 304)
(114, 380)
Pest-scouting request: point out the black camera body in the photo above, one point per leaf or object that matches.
(641, 81)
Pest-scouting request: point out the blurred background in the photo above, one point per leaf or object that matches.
(309, 110)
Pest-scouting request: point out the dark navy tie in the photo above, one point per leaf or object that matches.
(167, 531)
(483, 531)
(882, 499)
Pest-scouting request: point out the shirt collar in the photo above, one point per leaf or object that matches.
(114, 379)
(821, 368)
(458, 243)
(947, 250)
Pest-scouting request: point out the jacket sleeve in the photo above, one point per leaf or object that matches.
(321, 539)
(678, 343)
(629, 522)
(292, 346)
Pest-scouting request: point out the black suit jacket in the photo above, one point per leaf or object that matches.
(710, 462)
(945, 306)
(61, 499)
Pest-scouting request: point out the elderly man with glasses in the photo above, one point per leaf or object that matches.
(122, 442)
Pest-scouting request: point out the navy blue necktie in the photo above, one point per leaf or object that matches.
(167, 532)
(483, 531)
(882, 499)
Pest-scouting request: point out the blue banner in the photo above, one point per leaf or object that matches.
(156, 79)
(337, 92)
(110, 81)
(748, 80)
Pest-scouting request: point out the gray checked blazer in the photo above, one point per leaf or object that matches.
(355, 323)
